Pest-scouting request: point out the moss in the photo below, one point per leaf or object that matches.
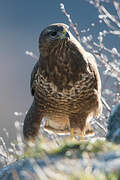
(74, 149)
(69, 148)
(85, 147)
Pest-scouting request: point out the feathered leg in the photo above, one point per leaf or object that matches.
(32, 123)
(78, 124)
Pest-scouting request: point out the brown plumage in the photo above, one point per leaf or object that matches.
(65, 83)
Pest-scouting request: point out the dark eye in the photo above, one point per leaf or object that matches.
(53, 33)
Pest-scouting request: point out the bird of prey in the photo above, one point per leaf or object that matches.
(65, 83)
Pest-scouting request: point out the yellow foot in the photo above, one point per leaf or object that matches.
(79, 133)
(72, 134)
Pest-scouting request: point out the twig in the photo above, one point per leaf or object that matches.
(102, 8)
(117, 7)
(5, 148)
(100, 126)
(62, 7)
(5, 157)
(30, 53)
(105, 104)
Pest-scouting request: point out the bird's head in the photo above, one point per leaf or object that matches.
(52, 35)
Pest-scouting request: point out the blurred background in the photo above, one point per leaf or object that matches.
(20, 25)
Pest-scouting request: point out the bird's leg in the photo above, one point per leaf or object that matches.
(72, 133)
(32, 123)
(89, 130)
(78, 125)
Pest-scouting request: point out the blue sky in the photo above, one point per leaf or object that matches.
(21, 22)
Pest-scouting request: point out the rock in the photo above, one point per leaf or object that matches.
(60, 166)
(113, 127)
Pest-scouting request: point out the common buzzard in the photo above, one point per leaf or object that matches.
(65, 83)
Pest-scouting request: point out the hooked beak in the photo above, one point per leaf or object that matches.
(64, 35)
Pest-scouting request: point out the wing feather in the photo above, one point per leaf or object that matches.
(34, 78)
(92, 68)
